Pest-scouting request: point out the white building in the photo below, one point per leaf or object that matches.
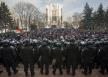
(54, 14)
(2, 1)
(76, 20)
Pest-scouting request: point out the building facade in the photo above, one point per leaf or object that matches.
(1, 1)
(54, 14)
(76, 20)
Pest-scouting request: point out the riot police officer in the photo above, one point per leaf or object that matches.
(44, 56)
(8, 57)
(1, 67)
(57, 59)
(72, 57)
(27, 56)
(103, 54)
(87, 57)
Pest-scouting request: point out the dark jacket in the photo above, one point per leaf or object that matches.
(58, 55)
(73, 55)
(44, 54)
(88, 55)
(27, 55)
(8, 55)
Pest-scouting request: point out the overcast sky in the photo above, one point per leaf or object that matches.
(69, 6)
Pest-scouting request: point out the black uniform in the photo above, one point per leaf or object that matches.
(8, 57)
(0, 57)
(18, 58)
(58, 60)
(73, 57)
(36, 53)
(44, 56)
(103, 54)
(27, 56)
(87, 57)
(1, 62)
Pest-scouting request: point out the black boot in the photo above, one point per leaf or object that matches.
(61, 72)
(73, 73)
(41, 72)
(102, 72)
(68, 72)
(26, 74)
(9, 73)
(15, 72)
(46, 73)
(53, 72)
(1, 72)
(84, 72)
(32, 74)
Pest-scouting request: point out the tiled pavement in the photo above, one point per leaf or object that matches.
(37, 74)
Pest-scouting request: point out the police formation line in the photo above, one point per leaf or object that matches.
(58, 55)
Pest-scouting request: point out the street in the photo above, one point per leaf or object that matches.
(37, 74)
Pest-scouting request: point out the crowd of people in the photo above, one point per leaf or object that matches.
(67, 49)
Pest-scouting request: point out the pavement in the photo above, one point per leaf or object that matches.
(37, 73)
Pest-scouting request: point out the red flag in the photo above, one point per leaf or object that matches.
(18, 29)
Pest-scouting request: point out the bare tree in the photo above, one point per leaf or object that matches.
(28, 13)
